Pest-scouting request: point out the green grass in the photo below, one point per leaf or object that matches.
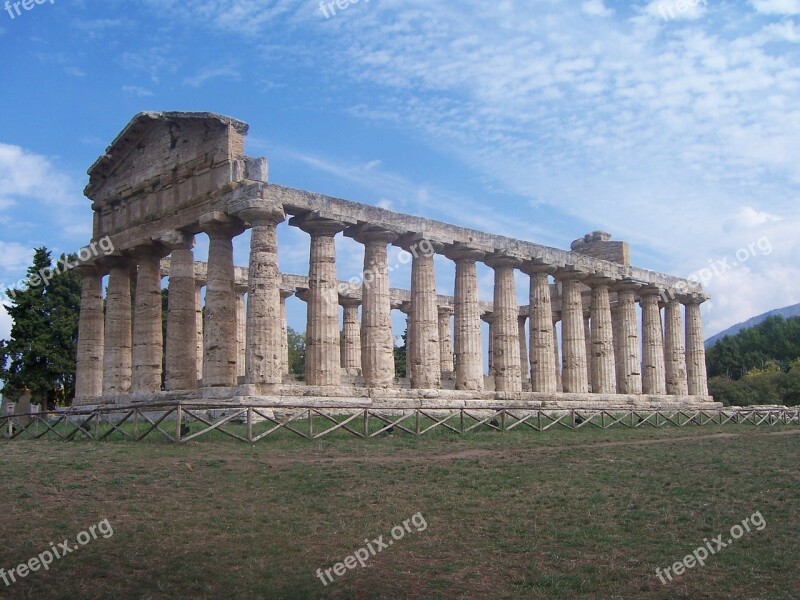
(559, 514)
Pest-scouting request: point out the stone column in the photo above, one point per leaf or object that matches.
(616, 328)
(524, 361)
(676, 382)
(322, 328)
(351, 336)
(488, 318)
(695, 351)
(445, 343)
(467, 319)
(557, 351)
(587, 330)
(377, 341)
(198, 318)
(262, 347)
(148, 339)
(505, 326)
(604, 376)
(284, 293)
(653, 375)
(117, 347)
(220, 350)
(242, 316)
(182, 338)
(424, 360)
(543, 343)
(574, 373)
(629, 374)
(89, 361)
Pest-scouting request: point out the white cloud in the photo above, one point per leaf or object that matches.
(24, 173)
(208, 73)
(135, 90)
(15, 257)
(748, 217)
(777, 7)
(596, 8)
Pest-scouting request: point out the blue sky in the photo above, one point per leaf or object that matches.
(542, 120)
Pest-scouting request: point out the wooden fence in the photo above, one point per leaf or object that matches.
(251, 423)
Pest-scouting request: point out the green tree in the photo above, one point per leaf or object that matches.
(400, 355)
(297, 351)
(40, 353)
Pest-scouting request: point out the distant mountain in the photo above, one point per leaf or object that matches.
(786, 312)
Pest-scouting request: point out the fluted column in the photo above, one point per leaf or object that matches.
(695, 351)
(557, 351)
(284, 294)
(117, 347)
(351, 336)
(467, 320)
(630, 365)
(89, 360)
(488, 318)
(423, 361)
(262, 346)
(573, 343)
(653, 374)
(148, 337)
(587, 331)
(220, 349)
(181, 342)
(505, 328)
(445, 339)
(322, 329)
(676, 382)
(604, 376)
(377, 341)
(198, 319)
(524, 362)
(242, 316)
(543, 345)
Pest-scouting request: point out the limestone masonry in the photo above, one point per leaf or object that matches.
(170, 176)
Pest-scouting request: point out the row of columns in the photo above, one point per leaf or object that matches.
(600, 353)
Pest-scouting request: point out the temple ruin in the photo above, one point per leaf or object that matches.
(170, 176)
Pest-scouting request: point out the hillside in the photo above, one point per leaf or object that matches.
(786, 312)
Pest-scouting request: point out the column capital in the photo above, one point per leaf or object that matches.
(176, 240)
(313, 224)
(627, 285)
(258, 211)
(556, 316)
(458, 252)
(569, 273)
(220, 224)
(366, 233)
(286, 292)
(596, 280)
(113, 261)
(404, 307)
(501, 259)
(487, 317)
(413, 241)
(693, 298)
(650, 290)
(349, 301)
(535, 266)
(445, 310)
(90, 270)
(153, 249)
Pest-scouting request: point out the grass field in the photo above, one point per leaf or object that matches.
(560, 514)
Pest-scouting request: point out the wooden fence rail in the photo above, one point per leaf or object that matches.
(182, 423)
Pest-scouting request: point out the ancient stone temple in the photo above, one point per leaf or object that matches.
(168, 177)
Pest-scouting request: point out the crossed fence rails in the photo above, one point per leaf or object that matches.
(253, 423)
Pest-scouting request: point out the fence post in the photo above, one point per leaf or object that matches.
(250, 424)
(178, 422)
